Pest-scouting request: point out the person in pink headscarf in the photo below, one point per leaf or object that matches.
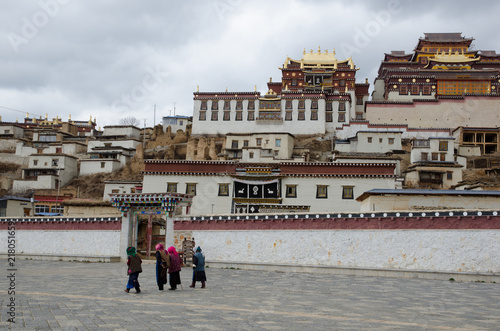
(162, 263)
(175, 268)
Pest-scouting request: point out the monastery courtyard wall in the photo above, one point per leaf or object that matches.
(462, 245)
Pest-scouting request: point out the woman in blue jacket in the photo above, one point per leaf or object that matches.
(199, 268)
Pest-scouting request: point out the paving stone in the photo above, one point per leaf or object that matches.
(83, 296)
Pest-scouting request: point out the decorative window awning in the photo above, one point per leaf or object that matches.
(166, 202)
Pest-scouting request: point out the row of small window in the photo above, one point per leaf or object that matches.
(321, 192)
(301, 116)
(415, 89)
(49, 209)
(443, 144)
(291, 190)
(288, 105)
(258, 142)
(381, 140)
(55, 163)
(434, 156)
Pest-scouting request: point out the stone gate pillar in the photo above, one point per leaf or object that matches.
(125, 234)
(169, 230)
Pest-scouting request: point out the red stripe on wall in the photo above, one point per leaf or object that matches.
(58, 225)
(395, 223)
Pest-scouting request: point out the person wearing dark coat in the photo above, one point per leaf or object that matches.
(162, 264)
(199, 268)
(175, 268)
(133, 270)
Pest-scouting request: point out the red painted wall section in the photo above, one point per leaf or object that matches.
(114, 225)
(186, 167)
(375, 223)
(190, 167)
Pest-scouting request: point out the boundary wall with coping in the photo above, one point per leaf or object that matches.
(462, 245)
(95, 239)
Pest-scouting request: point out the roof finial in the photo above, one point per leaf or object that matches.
(319, 49)
(304, 52)
(197, 88)
(255, 88)
(226, 88)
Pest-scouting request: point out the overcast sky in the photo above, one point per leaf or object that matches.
(115, 58)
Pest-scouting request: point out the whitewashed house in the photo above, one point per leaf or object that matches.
(433, 164)
(47, 171)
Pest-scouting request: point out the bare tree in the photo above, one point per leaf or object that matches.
(131, 120)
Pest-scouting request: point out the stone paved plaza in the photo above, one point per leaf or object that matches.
(53, 295)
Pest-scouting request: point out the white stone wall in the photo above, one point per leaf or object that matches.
(395, 96)
(447, 113)
(302, 127)
(416, 151)
(431, 250)
(66, 242)
(93, 166)
(393, 202)
(207, 200)
(127, 143)
(307, 187)
(122, 130)
(346, 132)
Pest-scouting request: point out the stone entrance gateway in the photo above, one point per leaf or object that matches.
(166, 205)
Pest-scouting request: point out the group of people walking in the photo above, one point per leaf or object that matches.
(167, 262)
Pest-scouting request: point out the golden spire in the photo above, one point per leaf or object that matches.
(346, 89)
(304, 52)
(226, 88)
(255, 88)
(319, 49)
(27, 115)
(197, 88)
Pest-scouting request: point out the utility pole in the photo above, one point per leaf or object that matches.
(144, 136)
(154, 116)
